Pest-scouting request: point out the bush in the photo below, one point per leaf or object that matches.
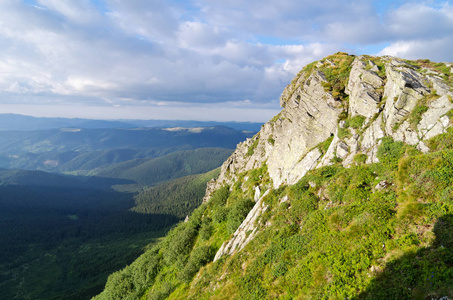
(220, 214)
(206, 229)
(180, 245)
(344, 133)
(198, 258)
(355, 122)
(251, 149)
(220, 196)
(389, 152)
(238, 213)
(360, 158)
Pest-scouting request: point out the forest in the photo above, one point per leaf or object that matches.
(64, 233)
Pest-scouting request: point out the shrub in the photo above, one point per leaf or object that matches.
(442, 141)
(220, 196)
(389, 152)
(355, 122)
(238, 213)
(180, 245)
(251, 149)
(198, 258)
(360, 158)
(344, 133)
(220, 214)
(206, 229)
(416, 114)
(324, 146)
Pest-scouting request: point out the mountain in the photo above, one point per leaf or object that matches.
(346, 194)
(27, 123)
(10, 122)
(148, 172)
(83, 150)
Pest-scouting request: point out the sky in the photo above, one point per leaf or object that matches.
(220, 60)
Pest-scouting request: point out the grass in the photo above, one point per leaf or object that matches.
(337, 235)
(416, 114)
(337, 76)
(251, 149)
(326, 239)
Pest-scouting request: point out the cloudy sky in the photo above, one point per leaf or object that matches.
(193, 59)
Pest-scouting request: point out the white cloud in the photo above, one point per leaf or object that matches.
(144, 52)
(416, 21)
(422, 49)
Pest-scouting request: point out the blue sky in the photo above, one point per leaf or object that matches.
(193, 59)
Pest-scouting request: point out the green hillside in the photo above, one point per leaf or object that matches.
(338, 235)
(62, 236)
(179, 164)
(176, 197)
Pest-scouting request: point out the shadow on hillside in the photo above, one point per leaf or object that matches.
(60, 242)
(425, 274)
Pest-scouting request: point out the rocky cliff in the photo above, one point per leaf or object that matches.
(337, 110)
(345, 194)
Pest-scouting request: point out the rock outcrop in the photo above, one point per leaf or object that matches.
(367, 99)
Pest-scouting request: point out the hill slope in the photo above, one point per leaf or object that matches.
(178, 164)
(345, 194)
(62, 236)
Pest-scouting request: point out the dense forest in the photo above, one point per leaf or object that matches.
(62, 235)
(62, 241)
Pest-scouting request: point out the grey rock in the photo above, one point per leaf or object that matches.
(382, 185)
(434, 121)
(326, 160)
(371, 138)
(362, 90)
(342, 149)
(246, 231)
(288, 144)
(403, 89)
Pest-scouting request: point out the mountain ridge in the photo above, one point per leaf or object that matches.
(344, 194)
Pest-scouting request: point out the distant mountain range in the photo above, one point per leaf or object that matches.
(84, 150)
(25, 123)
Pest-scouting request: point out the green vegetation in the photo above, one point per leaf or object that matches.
(344, 133)
(62, 236)
(441, 68)
(337, 75)
(360, 158)
(324, 146)
(271, 140)
(175, 165)
(355, 122)
(252, 147)
(176, 198)
(87, 151)
(417, 113)
(379, 63)
(337, 236)
(336, 71)
(63, 242)
(442, 141)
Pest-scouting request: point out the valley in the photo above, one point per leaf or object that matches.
(78, 204)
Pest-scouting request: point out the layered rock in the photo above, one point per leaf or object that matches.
(406, 102)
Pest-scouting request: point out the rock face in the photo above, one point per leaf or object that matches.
(375, 97)
(246, 231)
